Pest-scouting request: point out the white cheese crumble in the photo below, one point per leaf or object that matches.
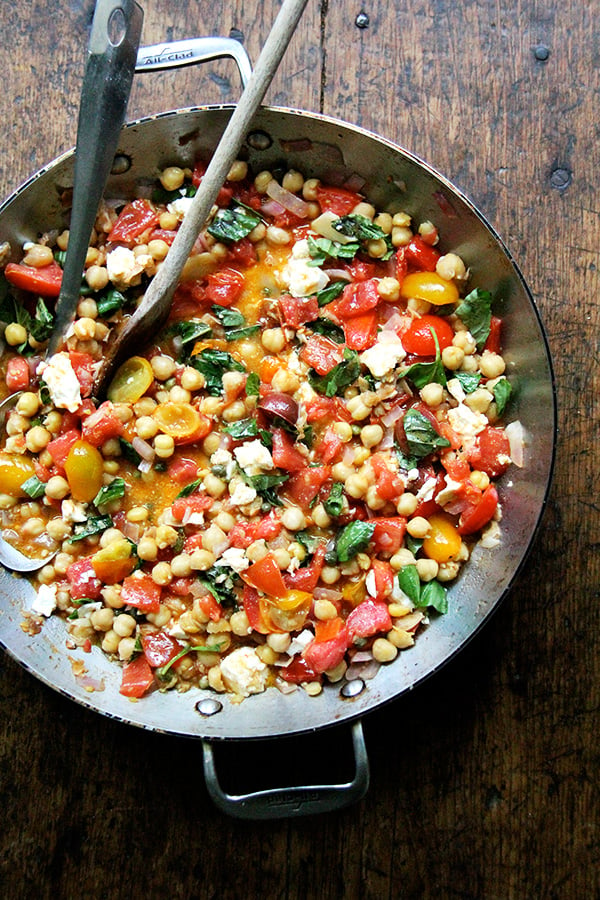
(449, 492)
(466, 423)
(384, 355)
(234, 558)
(300, 278)
(425, 492)
(124, 267)
(61, 380)
(73, 511)
(370, 583)
(223, 458)
(180, 207)
(455, 389)
(45, 602)
(243, 672)
(253, 457)
(399, 598)
(242, 493)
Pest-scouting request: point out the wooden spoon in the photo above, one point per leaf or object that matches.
(154, 308)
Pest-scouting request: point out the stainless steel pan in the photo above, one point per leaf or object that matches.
(393, 179)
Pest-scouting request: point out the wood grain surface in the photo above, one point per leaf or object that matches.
(485, 781)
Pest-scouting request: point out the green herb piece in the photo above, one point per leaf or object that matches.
(161, 195)
(358, 227)
(421, 436)
(476, 313)
(189, 488)
(93, 525)
(228, 318)
(469, 381)
(34, 488)
(213, 364)
(129, 452)
(243, 428)
(410, 583)
(352, 539)
(334, 503)
(199, 648)
(502, 391)
(339, 378)
(309, 541)
(329, 293)
(266, 486)
(190, 332)
(422, 595)
(239, 334)
(60, 256)
(42, 324)
(435, 595)
(109, 302)
(327, 328)
(252, 385)
(233, 224)
(109, 492)
(220, 581)
(429, 372)
(321, 249)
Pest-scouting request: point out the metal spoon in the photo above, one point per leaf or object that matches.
(154, 308)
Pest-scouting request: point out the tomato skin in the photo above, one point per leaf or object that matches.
(418, 339)
(475, 517)
(84, 468)
(141, 592)
(137, 677)
(388, 484)
(298, 671)
(443, 540)
(59, 447)
(421, 255)
(251, 604)
(296, 311)
(384, 579)
(265, 575)
(329, 408)
(360, 332)
(368, 618)
(327, 629)
(307, 577)
(135, 218)
(83, 581)
(17, 374)
(388, 534)
(84, 367)
(339, 201)
(430, 287)
(211, 607)
(320, 656)
(45, 281)
(356, 299)
(494, 338)
(224, 287)
(159, 648)
(195, 503)
(284, 453)
(491, 452)
(183, 470)
(321, 353)
(226, 191)
(242, 253)
(101, 425)
(304, 485)
(329, 447)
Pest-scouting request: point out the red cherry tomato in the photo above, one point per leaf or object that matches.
(491, 452)
(418, 339)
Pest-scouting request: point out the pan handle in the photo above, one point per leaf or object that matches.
(195, 50)
(290, 802)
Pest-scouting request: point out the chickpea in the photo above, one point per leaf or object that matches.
(163, 367)
(168, 221)
(192, 379)
(309, 189)
(37, 438)
(84, 329)
(479, 400)
(147, 549)
(373, 500)
(124, 625)
(257, 550)
(432, 394)
(273, 339)
(262, 181)
(383, 650)
(238, 170)
(451, 267)
(320, 516)
(211, 443)
(491, 365)
(401, 236)
(102, 619)
(377, 248)
(234, 412)
(224, 520)
(277, 237)
(453, 357)
(330, 574)
(58, 529)
(96, 277)
(146, 427)
(356, 485)
(181, 565)
(162, 574)
(278, 642)
(282, 558)
(293, 518)
(325, 609)
(126, 648)
(201, 560)
(158, 249)
(47, 574)
(110, 643)
(364, 209)
(28, 404)
(293, 181)
(344, 431)
(389, 289)
(371, 435)
(164, 446)
(57, 487)
(241, 626)
(285, 381)
(87, 308)
(15, 334)
(214, 486)
(39, 256)
(418, 527)
(427, 569)
(172, 178)
(466, 342)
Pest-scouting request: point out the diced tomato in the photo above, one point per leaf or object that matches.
(135, 218)
(494, 338)
(241, 536)
(388, 483)
(101, 425)
(401, 264)
(360, 332)
(142, 592)
(181, 587)
(368, 618)
(321, 353)
(456, 466)
(356, 299)
(268, 528)
(137, 677)
(17, 374)
(296, 311)
(421, 255)
(307, 577)
(491, 452)
(321, 656)
(361, 269)
(195, 503)
(45, 281)
(388, 534)
(225, 287)
(251, 604)
(265, 575)
(475, 517)
(327, 629)
(248, 195)
(188, 300)
(242, 253)
(329, 446)
(210, 606)
(339, 201)
(82, 580)
(304, 485)
(192, 542)
(384, 579)
(42, 472)
(327, 408)
(59, 447)
(298, 672)
(284, 453)
(159, 648)
(419, 340)
(183, 470)
(226, 191)
(426, 508)
(84, 367)
(162, 234)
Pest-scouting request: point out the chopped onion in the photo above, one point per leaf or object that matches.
(517, 437)
(339, 274)
(271, 208)
(145, 466)
(387, 441)
(285, 687)
(392, 416)
(355, 183)
(289, 201)
(131, 530)
(145, 450)
(394, 322)
(320, 593)
(365, 670)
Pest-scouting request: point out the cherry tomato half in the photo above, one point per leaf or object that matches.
(419, 338)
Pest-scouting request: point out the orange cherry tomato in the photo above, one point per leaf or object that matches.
(443, 541)
(430, 287)
(286, 613)
(84, 469)
(418, 339)
(114, 563)
(14, 471)
(179, 420)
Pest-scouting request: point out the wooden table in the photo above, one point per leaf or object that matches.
(485, 781)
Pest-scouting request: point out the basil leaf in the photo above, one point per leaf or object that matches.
(129, 452)
(339, 378)
(327, 328)
(34, 488)
(469, 381)
(198, 648)
(309, 541)
(109, 301)
(161, 195)
(109, 492)
(94, 525)
(476, 313)
(434, 594)
(238, 334)
(233, 224)
(252, 385)
(421, 436)
(502, 392)
(229, 318)
(358, 227)
(329, 293)
(410, 583)
(321, 249)
(213, 364)
(220, 581)
(352, 539)
(190, 332)
(42, 324)
(427, 373)
(244, 428)
(334, 503)
(189, 488)
(266, 485)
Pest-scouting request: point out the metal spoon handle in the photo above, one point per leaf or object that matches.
(114, 40)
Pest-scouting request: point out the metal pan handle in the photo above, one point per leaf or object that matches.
(291, 802)
(195, 50)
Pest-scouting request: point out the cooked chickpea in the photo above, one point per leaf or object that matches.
(448, 571)
(84, 329)
(343, 430)
(168, 221)
(282, 558)
(324, 610)
(257, 550)
(87, 308)
(240, 625)
(192, 379)
(234, 412)
(57, 487)
(364, 209)
(164, 446)
(39, 256)
(320, 517)
(384, 221)
(427, 569)
(158, 249)
(15, 334)
(160, 618)
(262, 181)
(401, 236)
(383, 650)
(377, 248)
(293, 518)
(214, 486)
(358, 409)
(340, 471)
(418, 527)
(102, 619)
(451, 267)
(224, 520)
(388, 289)
(279, 642)
(201, 560)
(162, 574)
(453, 357)
(479, 400)
(145, 406)
(277, 237)
(37, 438)
(371, 435)
(172, 178)
(47, 574)
(480, 479)
(110, 642)
(285, 381)
(126, 648)
(124, 625)
(28, 404)
(238, 170)
(330, 574)
(58, 529)
(310, 188)
(147, 549)
(466, 342)
(273, 339)
(373, 500)
(356, 485)
(112, 596)
(491, 365)
(16, 424)
(432, 394)
(163, 367)
(96, 277)
(211, 443)
(146, 427)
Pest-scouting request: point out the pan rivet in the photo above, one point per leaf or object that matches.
(259, 140)
(121, 164)
(353, 688)
(362, 20)
(208, 707)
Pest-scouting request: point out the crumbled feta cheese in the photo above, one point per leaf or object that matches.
(370, 584)
(176, 631)
(426, 491)
(180, 207)
(242, 493)
(253, 457)
(243, 672)
(466, 423)
(234, 558)
(124, 267)
(45, 602)
(300, 278)
(223, 458)
(300, 642)
(384, 355)
(490, 537)
(448, 493)
(61, 380)
(73, 511)
(456, 390)
(305, 393)
(399, 598)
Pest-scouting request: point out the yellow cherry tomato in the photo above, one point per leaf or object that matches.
(443, 541)
(14, 471)
(115, 562)
(84, 469)
(429, 286)
(286, 613)
(178, 420)
(131, 381)
(354, 592)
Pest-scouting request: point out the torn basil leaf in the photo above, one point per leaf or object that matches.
(221, 582)
(427, 372)
(353, 539)
(502, 391)
(34, 488)
(421, 436)
(339, 378)
(334, 503)
(93, 525)
(422, 594)
(189, 488)
(109, 301)
(213, 364)
(476, 313)
(469, 381)
(252, 385)
(321, 249)
(233, 224)
(129, 452)
(328, 329)
(109, 492)
(266, 486)
(331, 292)
(358, 227)
(243, 428)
